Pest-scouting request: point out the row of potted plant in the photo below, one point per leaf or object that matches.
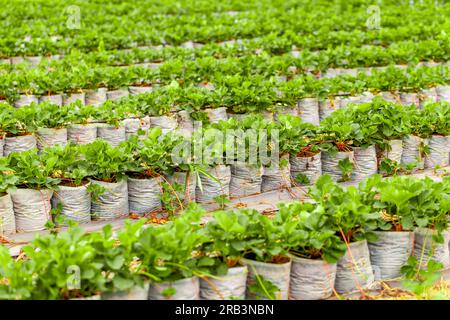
(264, 51)
(338, 244)
(25, 86)
(165, 169)
(177, 28)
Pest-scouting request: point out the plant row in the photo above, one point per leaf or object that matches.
(229, 158)
(340, 243)
(122, 26)
(221, 84)
(338, 55)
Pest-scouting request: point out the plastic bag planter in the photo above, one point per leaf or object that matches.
(54, 99)
(75, 203)
(311, 279)
(345, 101)
(327, 107)
(394, 151)
(232, 285)
(31, 209)
(96, 97)
(330, 163)
(425, 248)
(354, 270)
(71, 98)
(7, 219)
(25, 100)
(188, 182)
(136, 293)
(443, 93)
(278, 176)
(308, 109)
(116, 94)
(185, 289)
(48, 137)
(111, 134)
(212, 188)
(389, 253)
(82, 133)
(409, 98)
(365, 162)
(133, 125)
(427, 95)
(19, 144)
(438, 152)
(412, 151)
(245, 179)
(135, 90)
(113, 203)
(144, 195)
(166, 123)
(185, 123)
(261, 272)
(311, 167)
(217, 114)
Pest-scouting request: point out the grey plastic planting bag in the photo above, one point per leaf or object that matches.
(189, 186)
(136, 293)
(31, 209)
(111, 204)
(438, 152)
(212, 188)
(327, 107)
(394, 151)
(82, 133)
(425, 248)
(217, 114)
(166, 123)
(408, 98)
(133, 125)
(345, 101)
(75, 203)
(185, 289)
(144, 195)
(135, 90)
(311, 167)
(365, 162)
(25, 100)
(116, 94)
(293, 111)
(308, 110)
(277, 274)
(2, 144)
(55, 99)
(427, 95)
(19, 144)
(443, 93)
(277, 176)
(68, 99)
(7, 219)
(246, 179)
(114, 136)
(412, 150)
(330, 163)
(229, 286)
(311, 279)
(389, 253)
(354, 270)
(48, 137)
(96, 97)
(185, 123)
